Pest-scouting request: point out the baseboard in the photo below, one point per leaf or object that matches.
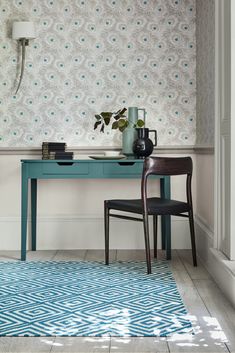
(214, 261)
(204, 237)
(222, 273)
(79, 231)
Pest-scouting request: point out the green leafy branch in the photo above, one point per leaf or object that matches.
(120, 120)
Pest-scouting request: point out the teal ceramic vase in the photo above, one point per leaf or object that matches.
(129, 135)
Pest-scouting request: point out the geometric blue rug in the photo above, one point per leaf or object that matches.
(61, 298)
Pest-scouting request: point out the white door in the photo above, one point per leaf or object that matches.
(232, 124)
(225, 127)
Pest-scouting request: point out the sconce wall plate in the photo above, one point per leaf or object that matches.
(23, 31)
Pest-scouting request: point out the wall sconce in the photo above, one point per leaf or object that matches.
(23, 31)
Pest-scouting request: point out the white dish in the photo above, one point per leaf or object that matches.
(111, 153)
(108, 157)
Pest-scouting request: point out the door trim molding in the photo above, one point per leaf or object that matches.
(222, 190)
(218, 74)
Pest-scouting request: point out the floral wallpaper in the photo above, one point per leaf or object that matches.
(98, 55)
(205, 33)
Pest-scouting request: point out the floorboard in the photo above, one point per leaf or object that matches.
(9, 255)
(139, 345)
(198, 272)
(205, 338)
(26, 344)
(41, 255)
(98, 255)
(222, 312)
(70, 255)
(81, 344)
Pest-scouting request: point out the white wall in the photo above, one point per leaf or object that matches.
(204, 211)
(70, 212)
(205, 189)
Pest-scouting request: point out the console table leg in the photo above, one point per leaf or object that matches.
(34, 213)
(24, 212)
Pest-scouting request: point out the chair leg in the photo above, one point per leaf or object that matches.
(163, 230)
(168, 236)
(106, 232)
(192, 232)
(155, 219)
(147, 247)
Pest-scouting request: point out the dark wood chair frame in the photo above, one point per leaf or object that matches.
(157, 166)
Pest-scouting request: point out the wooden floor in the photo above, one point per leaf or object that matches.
(212, 315)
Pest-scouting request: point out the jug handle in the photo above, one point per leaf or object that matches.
(144, 111)
(155, 136)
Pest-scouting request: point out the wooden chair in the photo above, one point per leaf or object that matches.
(155, 206)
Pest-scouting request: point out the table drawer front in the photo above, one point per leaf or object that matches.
(124, 168)
(65, 168)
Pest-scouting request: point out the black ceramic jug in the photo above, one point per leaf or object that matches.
(143, 146)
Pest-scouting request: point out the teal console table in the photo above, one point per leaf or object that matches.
(80, 169)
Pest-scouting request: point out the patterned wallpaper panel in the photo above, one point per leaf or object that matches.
(94, 55)
(205, 33)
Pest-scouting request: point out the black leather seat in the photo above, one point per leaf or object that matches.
(155, 205)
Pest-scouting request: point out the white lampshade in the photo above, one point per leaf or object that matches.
(23, 29)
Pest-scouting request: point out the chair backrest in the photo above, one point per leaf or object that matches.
(167, 166)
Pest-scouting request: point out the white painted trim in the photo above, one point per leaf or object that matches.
(86, 150)
(204, 239)
(218, 35)
(222, 173)
(214, 261)
(89, 149)
(224, 126)
(204, 149)
(222, 274)
(232, 188)
(201, 222)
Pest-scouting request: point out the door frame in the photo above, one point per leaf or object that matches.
(224, 185)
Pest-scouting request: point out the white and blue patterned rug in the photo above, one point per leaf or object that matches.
(58, 298)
